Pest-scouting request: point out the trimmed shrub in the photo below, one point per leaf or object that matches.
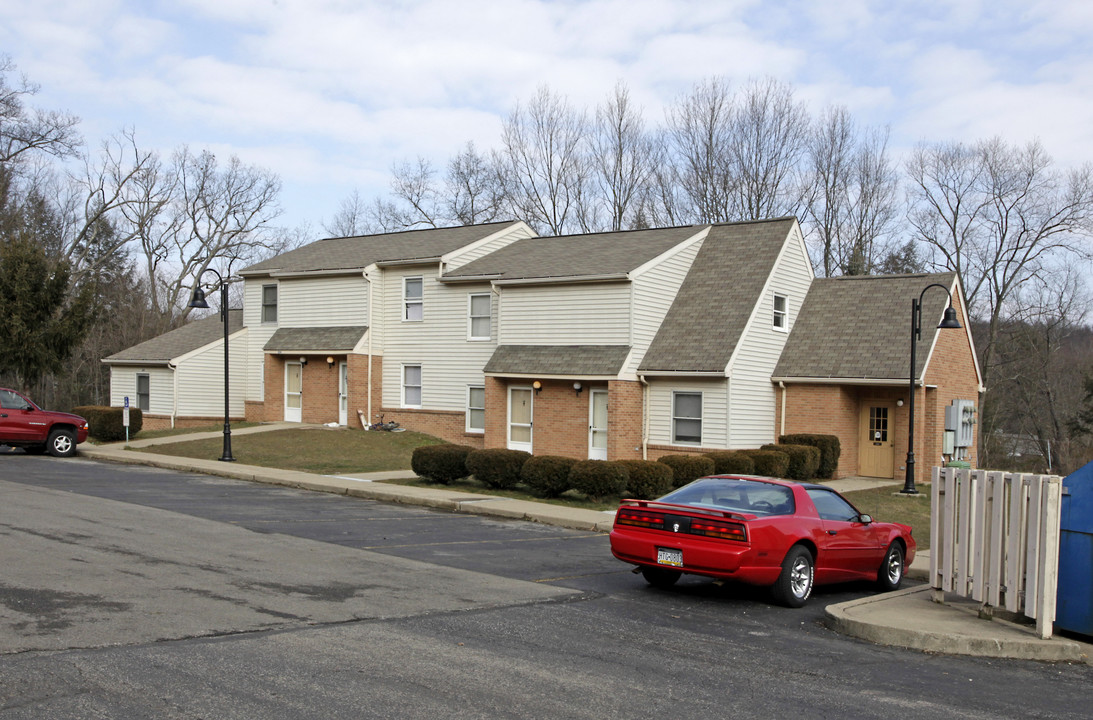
(547, 475)
(441, 463)
(106, 423)
(770, 463)
(803, 460)
(497, 467)
(730, 462)
(829, 446)
(598, 478)
(648, 479)
(686, 468)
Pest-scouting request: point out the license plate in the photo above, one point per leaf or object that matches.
(670, 556)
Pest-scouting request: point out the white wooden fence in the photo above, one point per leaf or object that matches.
(994, 537)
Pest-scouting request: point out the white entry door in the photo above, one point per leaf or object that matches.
(294, 392)
(597, 425)
(343, 393)
(520, 413)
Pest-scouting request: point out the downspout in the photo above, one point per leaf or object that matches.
(371, 332)
(174, 399)
(644, 417)
(782, 424)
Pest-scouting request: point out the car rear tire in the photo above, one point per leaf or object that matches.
(890, 574)
(660, 577)
(62, 443)
(794, 585)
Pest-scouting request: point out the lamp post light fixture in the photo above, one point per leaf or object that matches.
(198, 301)
(949, 321)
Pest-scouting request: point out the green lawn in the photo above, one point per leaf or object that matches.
(335, 451)
(326, 451)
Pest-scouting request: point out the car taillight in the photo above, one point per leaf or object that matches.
(718, 529)
(639, 518)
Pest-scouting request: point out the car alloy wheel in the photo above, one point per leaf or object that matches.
(891, 569)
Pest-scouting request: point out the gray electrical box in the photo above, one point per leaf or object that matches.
(960, 419)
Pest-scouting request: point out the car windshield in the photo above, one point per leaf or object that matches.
(746, 496)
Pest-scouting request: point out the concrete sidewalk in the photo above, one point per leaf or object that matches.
(906, 618)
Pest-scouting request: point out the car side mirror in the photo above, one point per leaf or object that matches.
(865, 519)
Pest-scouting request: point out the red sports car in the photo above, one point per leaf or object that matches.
(785, 535)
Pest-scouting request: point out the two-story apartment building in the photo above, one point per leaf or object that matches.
(613, 345)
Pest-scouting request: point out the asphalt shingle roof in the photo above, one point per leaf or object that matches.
(615, 253)
(860, 327)
(170, 345)
(316, 339)
(558, 359)
(358, 252)
(711, 309)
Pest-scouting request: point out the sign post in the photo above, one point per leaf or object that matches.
(125, 419)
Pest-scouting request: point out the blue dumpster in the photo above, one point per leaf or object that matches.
(1074, 603)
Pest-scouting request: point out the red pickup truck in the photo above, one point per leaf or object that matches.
(24, 424)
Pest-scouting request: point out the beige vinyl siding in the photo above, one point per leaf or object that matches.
(565, 315)
(258, 334)
(653, 292)
(753, 397)
(465, 255)
(201, 379)
(322, 301)
(161, 388)
(449, 361)
(715, 410)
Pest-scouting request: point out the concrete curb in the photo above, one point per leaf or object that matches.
(910, 618)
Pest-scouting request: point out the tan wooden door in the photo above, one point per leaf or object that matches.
(876, 457)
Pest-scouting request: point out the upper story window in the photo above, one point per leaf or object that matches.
(781, 313)
(413, 299)
(269, 303)
(687, 418)
(478, 314)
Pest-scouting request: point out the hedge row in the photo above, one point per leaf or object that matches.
(807, 457)
(106, 423)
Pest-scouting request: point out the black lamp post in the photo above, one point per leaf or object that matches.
(198, 301)
(948, 322)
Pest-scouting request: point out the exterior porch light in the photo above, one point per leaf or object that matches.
(537, 386)
(578, 388)
(330, 361)
(948, 322)
(198, 301)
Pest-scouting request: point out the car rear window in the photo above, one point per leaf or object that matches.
(745, 496)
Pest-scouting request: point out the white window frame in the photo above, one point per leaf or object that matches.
(148, 396)
(471, 317)
(781, 315)
(675, 417)
(403, 385)
(265, 305)
(408, 302)
(470, 428)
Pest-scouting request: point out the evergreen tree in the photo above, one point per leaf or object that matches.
(39, 326)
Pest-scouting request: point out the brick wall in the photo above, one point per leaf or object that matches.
(624, 419)
(163, 422)
(952, 370)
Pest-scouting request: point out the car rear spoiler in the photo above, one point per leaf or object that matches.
(690, 508)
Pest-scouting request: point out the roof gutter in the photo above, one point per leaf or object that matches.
(562, 279)
(890, 382)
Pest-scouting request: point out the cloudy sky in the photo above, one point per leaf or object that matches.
(329, 93)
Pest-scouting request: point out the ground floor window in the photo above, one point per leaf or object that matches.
(411, 386)
(687, 418)
(476, 409)
(143, 392)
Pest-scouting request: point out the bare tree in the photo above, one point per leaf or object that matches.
(767, 140)
(26, 130)
(475, 188)
(698, 129)
(1001, 216)
(543, 143)
(351, 218)
(621, 157)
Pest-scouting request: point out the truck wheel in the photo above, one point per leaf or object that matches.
(62, 443)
